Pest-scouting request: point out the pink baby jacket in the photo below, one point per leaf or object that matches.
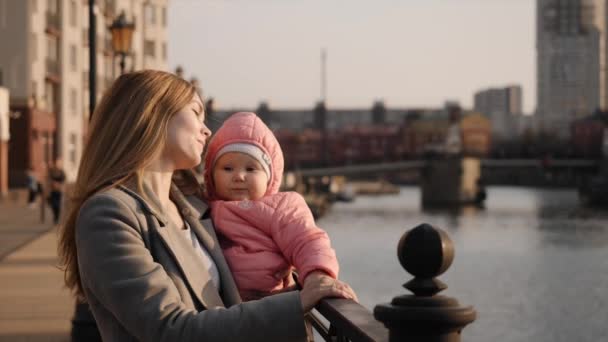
(263, 239)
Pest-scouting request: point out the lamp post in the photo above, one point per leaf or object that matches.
(122, 34)
(92, 58)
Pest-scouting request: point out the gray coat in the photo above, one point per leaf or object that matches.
(143, 282)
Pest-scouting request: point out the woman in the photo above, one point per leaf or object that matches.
(143, 254)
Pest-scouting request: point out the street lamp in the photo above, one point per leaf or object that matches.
(122, 34)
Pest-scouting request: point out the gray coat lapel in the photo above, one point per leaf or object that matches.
(194, 271)
(185, 257)
(205, 231)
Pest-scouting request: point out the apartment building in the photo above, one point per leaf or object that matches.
(571, 61)
(503, 106)
(44, 63)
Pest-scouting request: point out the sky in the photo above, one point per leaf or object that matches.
(407, 53)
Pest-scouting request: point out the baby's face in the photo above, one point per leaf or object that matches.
(237, 177)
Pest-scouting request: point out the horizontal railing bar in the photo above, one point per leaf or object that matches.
(318, 326)
(352, 320)
(538, 163)
(358, 169)
(418, 164)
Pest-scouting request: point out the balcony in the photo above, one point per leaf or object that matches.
(52, 70)
(52, 24)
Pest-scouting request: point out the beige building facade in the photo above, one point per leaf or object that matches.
(4, 138)
(44, 62)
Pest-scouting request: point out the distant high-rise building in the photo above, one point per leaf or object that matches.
(502, 106)
(506, 100)
(44, 62)
(571, 61)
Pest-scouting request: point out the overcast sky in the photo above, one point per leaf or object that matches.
(409, 53)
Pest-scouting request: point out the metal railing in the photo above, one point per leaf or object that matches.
(349, 321)
(359, 169)
(425, 252)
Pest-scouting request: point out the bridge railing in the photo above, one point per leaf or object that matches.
(349, 321)
(359, 169)
(425, 252)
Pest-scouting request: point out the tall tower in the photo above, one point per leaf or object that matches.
(571, 59)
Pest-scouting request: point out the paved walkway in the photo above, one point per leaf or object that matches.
(19, 223)
(34, 305)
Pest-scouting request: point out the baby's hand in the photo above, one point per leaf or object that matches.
(282, 274)
(315, 276)
(319, 285)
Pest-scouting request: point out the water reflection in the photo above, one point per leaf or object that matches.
(454, 216)
(533, 262)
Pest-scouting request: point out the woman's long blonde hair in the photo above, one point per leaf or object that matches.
(127, 131)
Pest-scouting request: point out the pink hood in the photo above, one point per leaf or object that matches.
(245, 127)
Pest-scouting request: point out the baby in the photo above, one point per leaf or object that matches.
(264, 233)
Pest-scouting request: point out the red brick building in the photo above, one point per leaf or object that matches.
(587, 134)
(32, 143)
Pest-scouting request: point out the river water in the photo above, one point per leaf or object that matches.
(533, 263)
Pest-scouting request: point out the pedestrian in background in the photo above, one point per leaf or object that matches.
(33, 187)
(56, 187)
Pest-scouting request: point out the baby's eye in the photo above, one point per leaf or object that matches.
(251, 169)
(227, 168)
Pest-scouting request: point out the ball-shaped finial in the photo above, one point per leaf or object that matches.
(425, 251)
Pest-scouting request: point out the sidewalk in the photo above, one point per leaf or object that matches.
(19, 223)
(34, 304)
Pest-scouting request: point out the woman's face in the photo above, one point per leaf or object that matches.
(187, 136)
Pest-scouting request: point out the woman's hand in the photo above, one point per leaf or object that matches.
(318, 285)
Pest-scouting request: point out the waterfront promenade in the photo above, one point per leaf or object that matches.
(34, 305)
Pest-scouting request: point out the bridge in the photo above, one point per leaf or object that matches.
(457, 180)
(363, 169)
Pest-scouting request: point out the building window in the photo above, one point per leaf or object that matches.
(73, 101)
(34, 93)
(85, 80)
(99, 83)
(53, 6)
(73, 146)
(51, 47)
(49, 97)
(149, 48)
(85, 36)
(165, 51)
(34, 46)
(34, 5)
(73, 57)
(73, 13)
(164, 16)
(108, 64)
(150, 13)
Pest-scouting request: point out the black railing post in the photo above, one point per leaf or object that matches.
(425, 252)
